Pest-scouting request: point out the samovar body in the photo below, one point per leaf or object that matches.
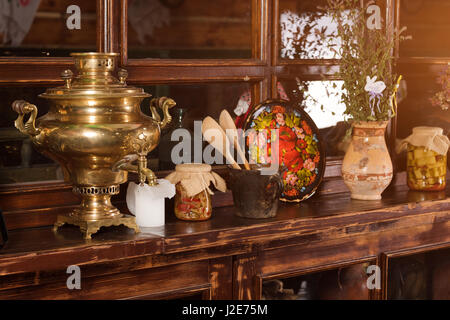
(96, 131)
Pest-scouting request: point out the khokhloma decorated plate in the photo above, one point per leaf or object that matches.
(300, 154)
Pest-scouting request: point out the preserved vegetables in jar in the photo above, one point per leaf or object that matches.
(426, 164)
(197, 207)
(193, 196)
(426, 169)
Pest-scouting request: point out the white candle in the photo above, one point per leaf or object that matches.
(147, 203)
(149, 212)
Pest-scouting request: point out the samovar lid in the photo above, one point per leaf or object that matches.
(94, 78)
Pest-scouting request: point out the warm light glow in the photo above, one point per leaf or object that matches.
(89, 134)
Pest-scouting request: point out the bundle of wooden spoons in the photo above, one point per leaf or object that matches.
(227, 123)
(220, 139)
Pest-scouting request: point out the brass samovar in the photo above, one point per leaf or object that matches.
(96, 131)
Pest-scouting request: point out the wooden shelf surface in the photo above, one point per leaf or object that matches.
(321, 217)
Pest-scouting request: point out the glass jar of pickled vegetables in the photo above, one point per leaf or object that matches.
(426, 169)
(192, 198)
(197, 207)
(427, 159)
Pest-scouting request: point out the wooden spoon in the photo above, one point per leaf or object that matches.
(227, 123)
(218, 142)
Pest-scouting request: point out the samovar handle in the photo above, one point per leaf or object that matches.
(23, 107)
(164, 103)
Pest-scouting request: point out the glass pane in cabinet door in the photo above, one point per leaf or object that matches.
(415, 108)
(46, 28)
(414, 105)
(428, 22)
(306, 31)
(321, 100)
(19, 160)
(190, 29)
(194, 103)
(347, 283)
(420, 276)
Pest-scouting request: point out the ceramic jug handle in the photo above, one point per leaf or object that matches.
(22, 108)
(278, 182)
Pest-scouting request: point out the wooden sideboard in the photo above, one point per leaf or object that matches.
(227, 257)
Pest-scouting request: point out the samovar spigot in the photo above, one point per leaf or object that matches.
(145, 173)
(141, 145)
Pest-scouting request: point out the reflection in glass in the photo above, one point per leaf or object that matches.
(307, 36)
(420, 276)
(194, 103)
(347, 283)
(415, 108)
(321, 100)
(183, 29)
(47, 28)
(19, 161)
(307, 31)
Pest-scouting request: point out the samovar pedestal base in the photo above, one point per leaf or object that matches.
(88, 228)
(95, 211)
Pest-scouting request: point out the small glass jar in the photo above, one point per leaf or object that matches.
(426, 169)
(196, 208)
(193, 196)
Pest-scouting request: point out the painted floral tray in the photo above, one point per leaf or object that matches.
(300, 154)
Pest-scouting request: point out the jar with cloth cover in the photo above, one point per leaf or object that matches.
(192, 199)
(426, 158)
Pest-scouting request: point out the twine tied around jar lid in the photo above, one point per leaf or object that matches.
(196, 177)
(431, 138)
